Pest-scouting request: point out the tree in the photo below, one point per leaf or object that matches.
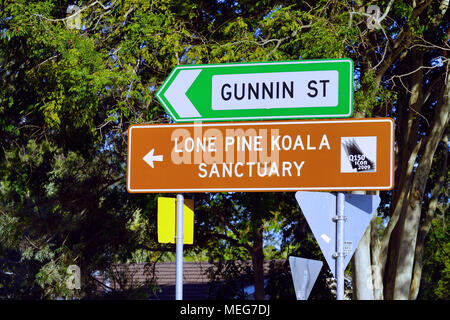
(435, 280)
(400, 71)
(66, 96)
(413, 67)
(235, 224)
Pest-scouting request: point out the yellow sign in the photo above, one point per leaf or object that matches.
(167, 213)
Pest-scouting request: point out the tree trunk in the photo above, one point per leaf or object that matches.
(397, 257)
(366, 268)
(361, 269)
(430, 215)
(258, 265)
(409, 226)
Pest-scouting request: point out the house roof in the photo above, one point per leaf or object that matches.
(197, 277)
(195, 280)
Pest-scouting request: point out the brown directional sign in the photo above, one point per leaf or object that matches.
(350, 154)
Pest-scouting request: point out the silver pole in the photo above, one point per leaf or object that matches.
(179, 249)
(340, 219)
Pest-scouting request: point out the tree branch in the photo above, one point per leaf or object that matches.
(77, 12)
(233, 229)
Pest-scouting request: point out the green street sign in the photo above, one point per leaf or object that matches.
(259, 90)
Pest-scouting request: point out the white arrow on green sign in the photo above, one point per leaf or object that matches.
(259, 90)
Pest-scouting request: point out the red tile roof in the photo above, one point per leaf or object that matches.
(197, 278)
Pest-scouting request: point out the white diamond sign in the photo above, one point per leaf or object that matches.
(319, 209)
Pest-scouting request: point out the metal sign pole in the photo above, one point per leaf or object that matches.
(340, 254)
(179, 249)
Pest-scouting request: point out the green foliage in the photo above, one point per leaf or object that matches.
(435, 283)
(370, 98)
(9, 226)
